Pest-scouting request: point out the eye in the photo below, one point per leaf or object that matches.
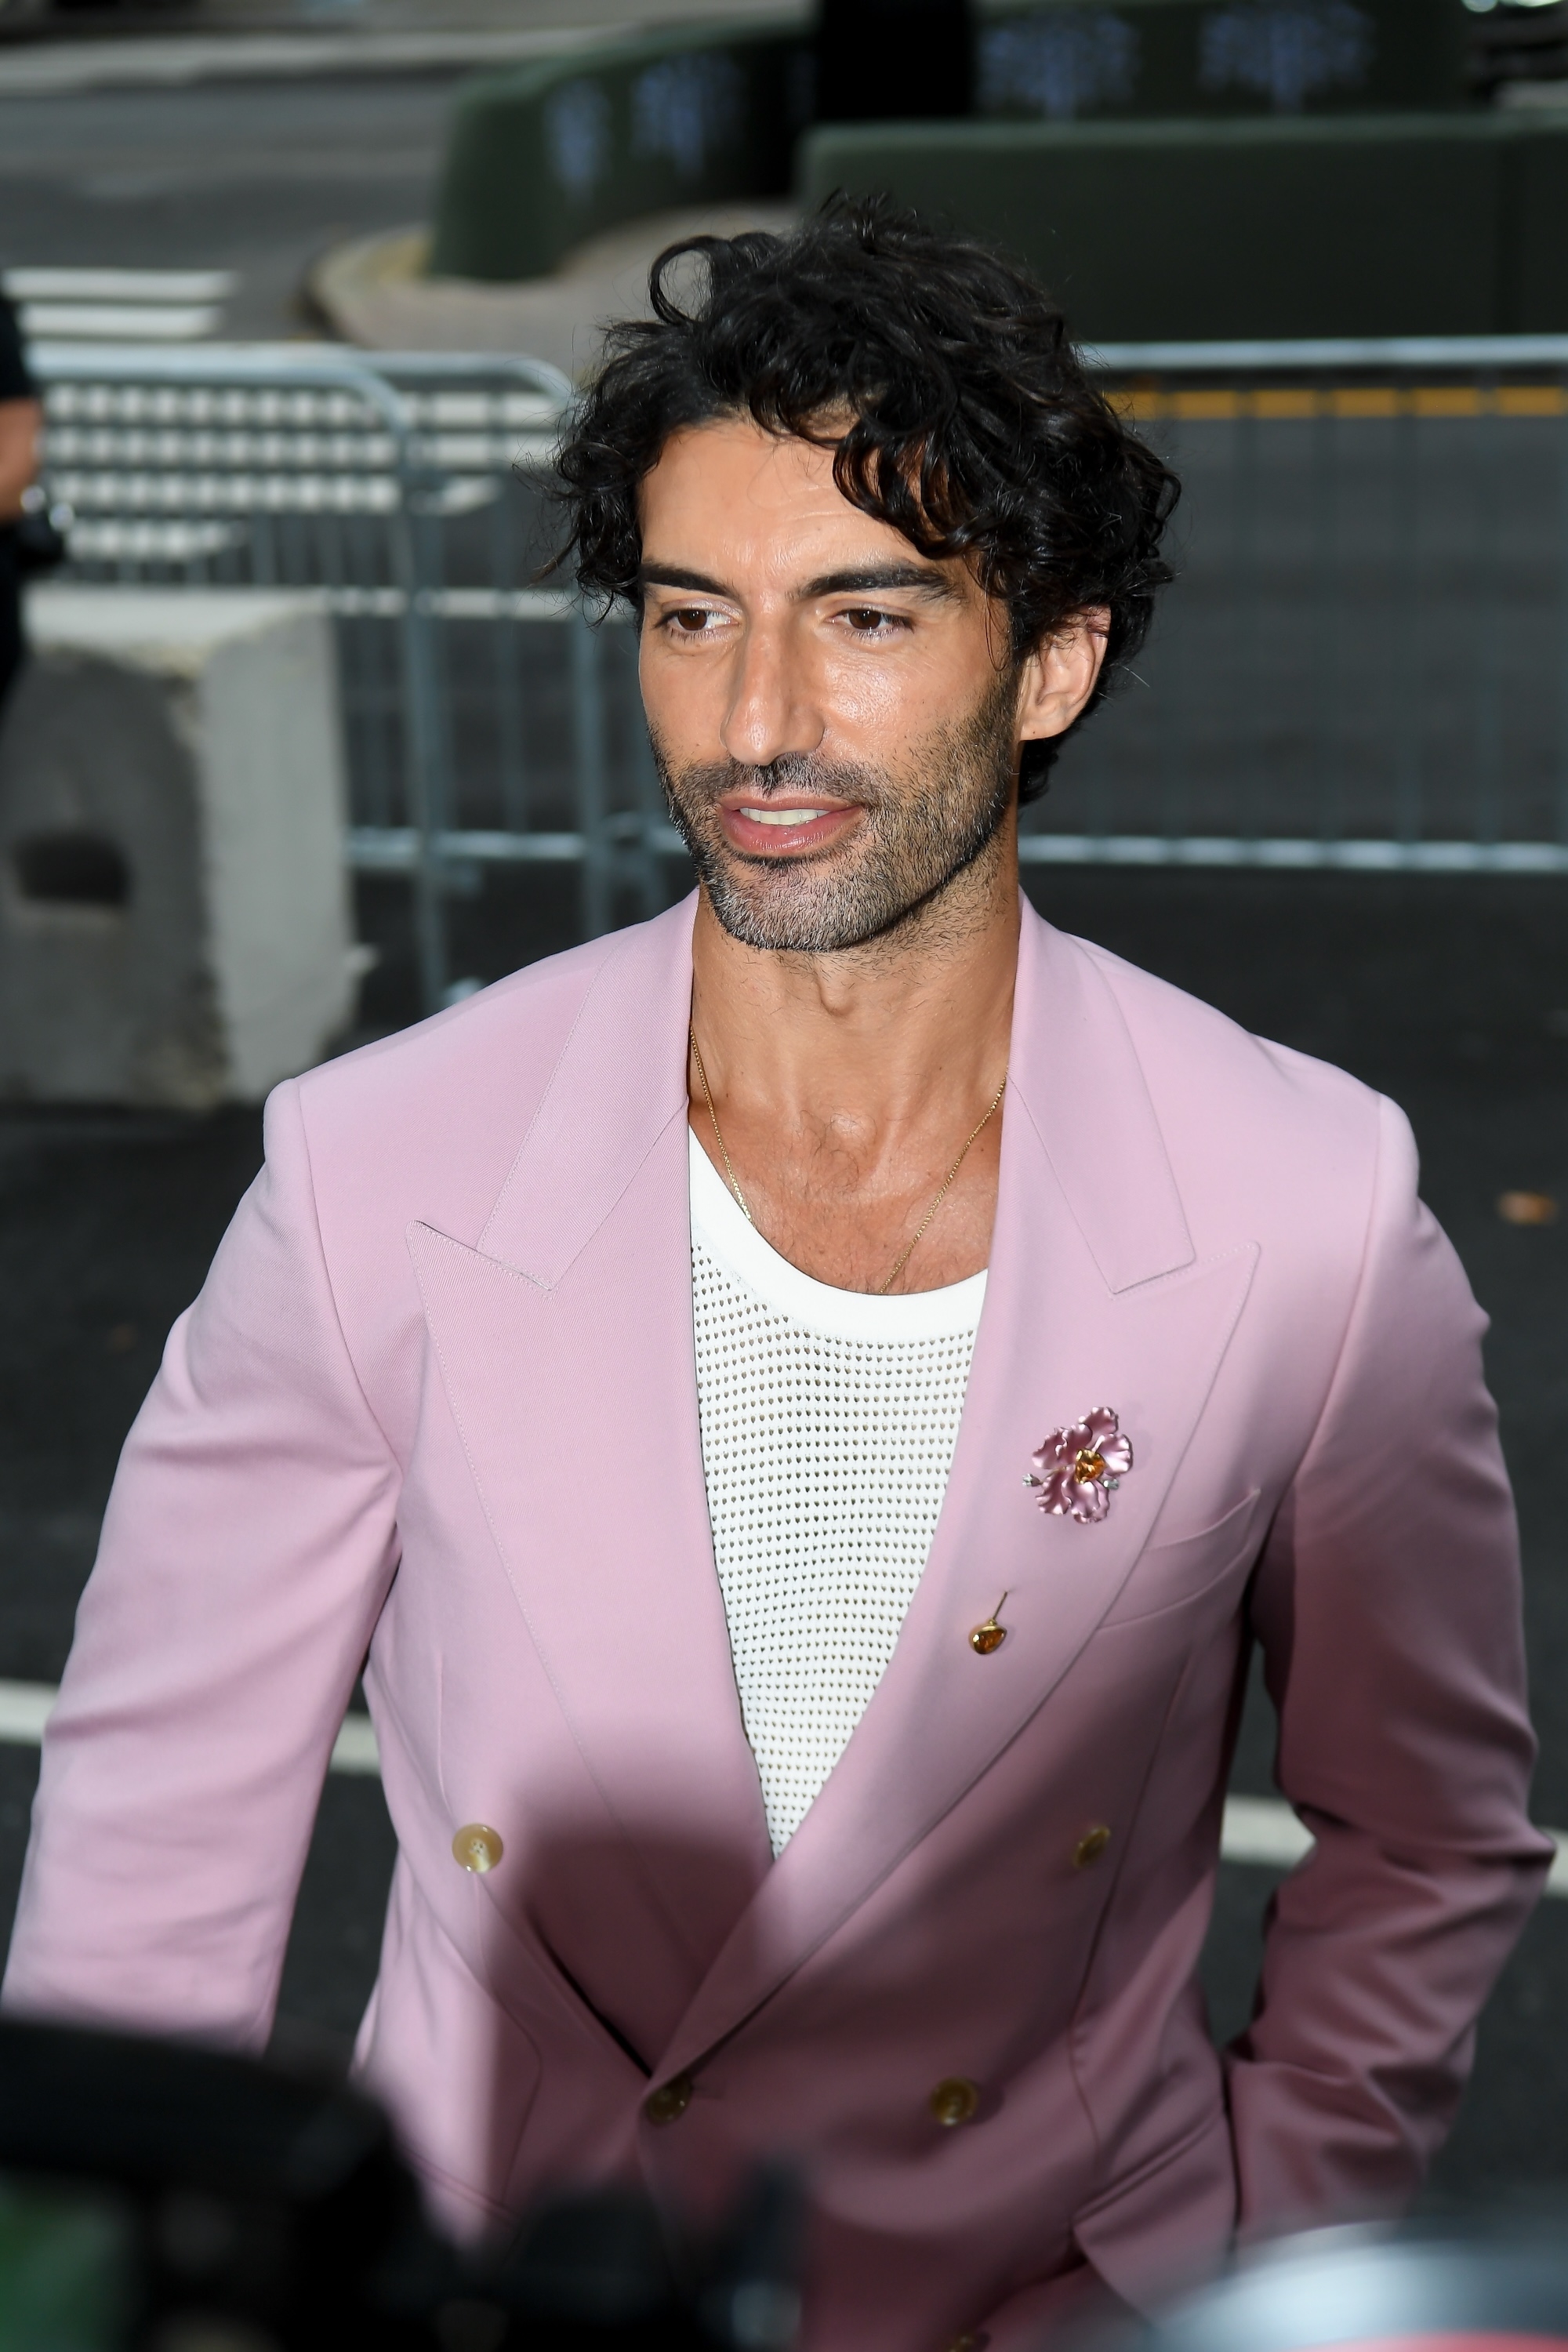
(871, 621)
(690, 620)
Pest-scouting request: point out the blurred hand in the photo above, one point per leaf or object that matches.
(21, 428)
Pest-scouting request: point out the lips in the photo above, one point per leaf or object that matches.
(784, 828)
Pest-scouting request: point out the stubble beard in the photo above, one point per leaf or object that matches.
(930, 825)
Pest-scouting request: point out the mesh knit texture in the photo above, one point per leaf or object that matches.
(828, 1423)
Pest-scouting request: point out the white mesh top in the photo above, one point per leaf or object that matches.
(829, 1420)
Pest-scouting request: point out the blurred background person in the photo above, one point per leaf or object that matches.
(21, 421)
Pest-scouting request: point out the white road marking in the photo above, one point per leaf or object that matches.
(354, 1750)
(119, 306)
(121, 322)
(1263, 1830)
(23, 1711)
(118, 285)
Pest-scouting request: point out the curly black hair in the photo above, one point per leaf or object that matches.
(941, 374)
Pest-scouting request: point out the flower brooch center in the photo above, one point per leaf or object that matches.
(1078, 1469)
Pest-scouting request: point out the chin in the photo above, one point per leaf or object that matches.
(832, 920)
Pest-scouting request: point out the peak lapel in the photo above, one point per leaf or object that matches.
(566, 1351)
(1094, 1297)
(620, 1080)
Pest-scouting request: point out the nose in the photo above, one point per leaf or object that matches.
(771, 711)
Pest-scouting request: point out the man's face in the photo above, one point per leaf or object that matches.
(835, 719)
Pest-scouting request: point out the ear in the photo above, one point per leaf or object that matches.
(1060, 675)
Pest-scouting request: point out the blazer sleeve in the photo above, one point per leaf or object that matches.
(247, 1551)
(1387, 1603)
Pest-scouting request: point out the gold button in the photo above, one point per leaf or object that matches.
(1091, 1846)
(478, 1847)
(966, 2343)
(670, 2101)
(956, 2101)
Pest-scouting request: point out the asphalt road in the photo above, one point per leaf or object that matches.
(258, 177)
(1452, 996)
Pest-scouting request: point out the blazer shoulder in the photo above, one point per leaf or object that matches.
(1261, 1139)
(534, 1004)
(1183, 1041)
(426, 1123)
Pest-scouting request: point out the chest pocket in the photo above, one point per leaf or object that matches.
(1171, 1576)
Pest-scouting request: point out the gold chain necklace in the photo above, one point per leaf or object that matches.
(921, 1230)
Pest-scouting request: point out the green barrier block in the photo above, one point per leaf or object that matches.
(1534, 261)
(541, 158)
(1353, 225)
(551, 154)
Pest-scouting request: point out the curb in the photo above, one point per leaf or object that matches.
(371, 291)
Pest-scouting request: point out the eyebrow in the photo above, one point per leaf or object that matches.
(924, 578)
(865, 579)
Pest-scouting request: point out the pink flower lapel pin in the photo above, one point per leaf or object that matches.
(1078, 1469)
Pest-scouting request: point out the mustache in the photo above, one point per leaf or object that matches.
(795, 773)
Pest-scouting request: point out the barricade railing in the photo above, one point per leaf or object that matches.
(549, 754)
(311, 468)
(1363, 663)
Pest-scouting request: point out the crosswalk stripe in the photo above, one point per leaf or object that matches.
(23, 1711)
(118, 285)
(121, 322)
(119, 306)
(1264, 1829)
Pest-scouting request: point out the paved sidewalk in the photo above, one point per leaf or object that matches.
(372, 290)
(244, 44)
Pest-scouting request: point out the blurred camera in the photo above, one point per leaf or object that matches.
(159, 2197)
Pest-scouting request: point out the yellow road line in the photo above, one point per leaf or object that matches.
(1274, 404)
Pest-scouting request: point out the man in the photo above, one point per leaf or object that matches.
(21, 421)
(805, 1405)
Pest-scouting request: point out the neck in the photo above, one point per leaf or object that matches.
(876, 1032)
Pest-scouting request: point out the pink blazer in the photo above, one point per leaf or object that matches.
(436, 1402)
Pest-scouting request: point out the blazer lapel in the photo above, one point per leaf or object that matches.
(1094, 1297)
(566, 1349)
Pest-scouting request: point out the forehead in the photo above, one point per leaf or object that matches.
(727, 495)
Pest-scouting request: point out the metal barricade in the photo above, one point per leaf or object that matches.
(545, 745)
(214, 466)
(1363, 663)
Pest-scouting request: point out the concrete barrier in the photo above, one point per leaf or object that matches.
(1207, 230)
(542, 158)
(174, 923)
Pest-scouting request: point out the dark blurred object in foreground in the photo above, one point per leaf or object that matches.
(1381, 2291)
(156, 2196)
(40, 533)
(1512, 43)
(894, 61)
